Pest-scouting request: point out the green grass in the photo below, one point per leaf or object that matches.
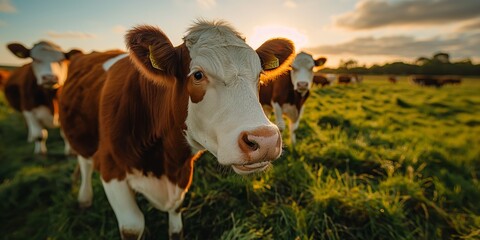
(373, 161)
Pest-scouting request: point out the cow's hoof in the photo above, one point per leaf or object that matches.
(176, 236)
(84, 205)
(131, 235)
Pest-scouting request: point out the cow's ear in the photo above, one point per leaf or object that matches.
(276, 55)
(71, 53)
(320, 61)
(19, 50)
(152, 53)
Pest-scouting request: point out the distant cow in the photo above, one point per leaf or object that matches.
(349, 78)
(321, 80)
(144, 117)
(453, 80)
(287, 94)
(392, 79)
(32, 89)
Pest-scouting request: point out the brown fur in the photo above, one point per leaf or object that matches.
(280, 48)
(23, 93)
(79, 106)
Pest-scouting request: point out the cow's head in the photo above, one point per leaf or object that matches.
(49, 63)
(221, 74)
(302, 71)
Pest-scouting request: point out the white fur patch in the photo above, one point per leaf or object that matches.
(109, 63)
(161, 192)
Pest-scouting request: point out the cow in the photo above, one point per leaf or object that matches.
(392, 79)
(427, 80)
(287, 94)
(32, 88)
(321, 80)
(349, 78)
(453, 80)
(142, 118)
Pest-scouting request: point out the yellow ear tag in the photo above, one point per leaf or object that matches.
(19, 54)
(271, 63)
(152, 59)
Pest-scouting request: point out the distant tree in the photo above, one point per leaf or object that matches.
(441, 57)
(348, 63)
(422, 60)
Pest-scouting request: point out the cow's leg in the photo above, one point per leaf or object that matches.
(294, 125)
(122, 199)
(277, 109)
(68, 149)
(85, 193)
(36, 133)
(175, 225)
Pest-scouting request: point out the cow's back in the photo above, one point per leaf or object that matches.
(79, 100)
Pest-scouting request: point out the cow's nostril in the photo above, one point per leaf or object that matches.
(252, 145)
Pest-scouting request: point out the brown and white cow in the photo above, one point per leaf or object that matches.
(287, 94)
(32, 89)
(144, 117)
(349, 78)
(321, 80)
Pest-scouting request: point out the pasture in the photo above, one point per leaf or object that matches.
(372, 161)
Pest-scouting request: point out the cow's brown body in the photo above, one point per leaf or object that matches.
(24, 94)
(320, 80)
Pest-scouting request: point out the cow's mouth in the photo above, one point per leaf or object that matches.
(51, 85)
(250, 168)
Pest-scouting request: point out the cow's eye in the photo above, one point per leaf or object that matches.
(198, 75)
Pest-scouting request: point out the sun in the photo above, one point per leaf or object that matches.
(263, 33)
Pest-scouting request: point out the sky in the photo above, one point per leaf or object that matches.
(367, 31)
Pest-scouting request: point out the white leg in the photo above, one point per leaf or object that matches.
(85, 193)
(122, 199)
(277, 109)
(68, 149)
(175, 225)
(36, 133)
(294, 126)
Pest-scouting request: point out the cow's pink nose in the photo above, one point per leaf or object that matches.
(302, 85)
(261, 144)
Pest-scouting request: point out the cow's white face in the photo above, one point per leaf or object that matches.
(48, 62)
(220, 74)
(224, 113)
(302, 71)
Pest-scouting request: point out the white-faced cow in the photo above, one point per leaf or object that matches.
(287, 94)
(144, 117)
(32, 89)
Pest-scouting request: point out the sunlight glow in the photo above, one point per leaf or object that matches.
(263, 33)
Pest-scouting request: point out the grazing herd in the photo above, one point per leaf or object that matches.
(142, 117)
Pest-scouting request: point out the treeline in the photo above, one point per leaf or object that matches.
(439, 64)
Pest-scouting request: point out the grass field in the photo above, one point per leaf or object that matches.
(373, 161)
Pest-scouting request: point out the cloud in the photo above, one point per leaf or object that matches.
(369, 14)
(207, 3)
(70, 34)
(7, 6)
(119, 29)
(290, 4)
(465, 45)
(471, 25)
